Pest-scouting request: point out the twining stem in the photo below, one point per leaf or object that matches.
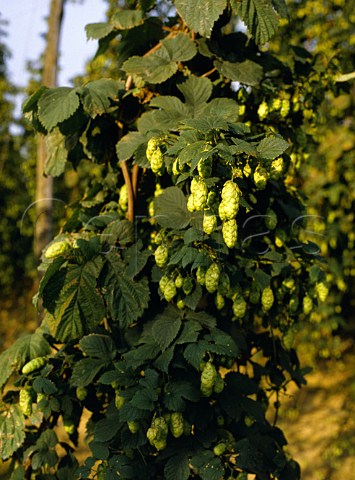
(135, 173)
(127, 179)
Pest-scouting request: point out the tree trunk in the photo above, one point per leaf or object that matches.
(44, 185)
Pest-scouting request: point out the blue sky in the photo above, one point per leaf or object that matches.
(26, 24)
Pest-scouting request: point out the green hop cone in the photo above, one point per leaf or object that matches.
(152, 433)
(209, 223)
(239, 307)
(191, 203)
(263, 110)
(219, 301)
(322, 291)
(280, 237)
(230, 233)
(229, 206)
(200, 193)
(177, 424)
(123, 198)
(247, 170)
(34, 364)
(119, 400)
(163, 282)
(179, 281)
(204, 167)
(260, 177)
(161, 255)
(219, 449)
(288, 339)
(81, 393)
(231, 191)
(25, 401)
(133, 426)
(56, 249)
(212, 278)
(40, 397)
(307, 305)
(267, 298)
(157, 162)
(201, 275)
(270, 219)
(208, 377)
(169, 291)
(285, 107)
(277, 167)
(276, 103)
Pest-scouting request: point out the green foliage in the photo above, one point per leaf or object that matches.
(174, 335)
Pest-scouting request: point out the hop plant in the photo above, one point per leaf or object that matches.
(157, 433)
(208, 377)
(267, 298)
(179, 281)
(161, 255)
(188, 285)
(212, 278)
(285, 107)
(260, 177)
(119, 400)
(230, 233)
(209, 222)
(133, 426)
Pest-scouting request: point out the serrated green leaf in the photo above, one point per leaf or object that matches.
(259, 16)
(57, 153)
(144, 399)
(127, 145)
(192, 301)
(30, 103)
(190, 332)
(180, 48)
(208, 465)
(171, 104)
(164, 360)
(226, 108)
(207, 124)
(200, 15)
(241, 146)
(171, 210)
(120, 231)
(24, 349)
(96, 31)
(272, 147)
(106, 428)
(155, 68)
(96, 96)
(194, 353)
(126, 19)
(79, 307)
(85, 370)
(166, 326)
(203, 318)
(262, 278)
(196, 90)
(126, 298)
(57, 105)
(177, 392)
(177, 467)
(44, 385)
(12, 435)
(247, 72)
(99, 346)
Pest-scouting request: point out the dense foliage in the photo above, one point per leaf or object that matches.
(173, 289)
